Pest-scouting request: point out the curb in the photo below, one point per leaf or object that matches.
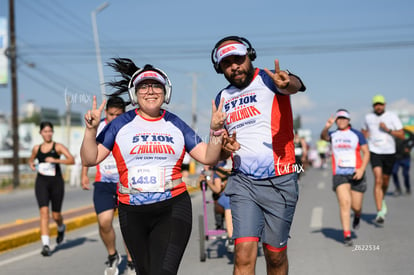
(24, 237)
(33, 235)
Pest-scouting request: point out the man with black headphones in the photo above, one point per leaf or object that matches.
(263, 187)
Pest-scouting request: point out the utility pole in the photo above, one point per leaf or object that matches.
(194, 102)
(98, 47)
(192, 168)
(12, 52)
(68, 122)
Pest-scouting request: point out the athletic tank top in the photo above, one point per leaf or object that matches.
(52, 153)
(298, 147)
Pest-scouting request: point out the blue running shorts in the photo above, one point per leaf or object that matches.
(263, 209)
(105, 196)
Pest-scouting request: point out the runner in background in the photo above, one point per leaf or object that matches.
(301, 153)
(105, 198)
(323, 150)
(49, 185)
(380, 129)
(403, 161)
(348, 169)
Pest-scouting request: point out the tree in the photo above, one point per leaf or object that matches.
(35, 118)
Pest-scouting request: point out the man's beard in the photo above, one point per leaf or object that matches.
(378, 113)
(241, 84)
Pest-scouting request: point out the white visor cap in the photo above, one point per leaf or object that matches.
(235, 48)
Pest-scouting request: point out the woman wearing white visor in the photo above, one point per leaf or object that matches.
(149, 144)
(348, 168)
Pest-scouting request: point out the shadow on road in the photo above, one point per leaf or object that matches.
(333, 233)
(68, 243)
(338, 235)
(369, 219)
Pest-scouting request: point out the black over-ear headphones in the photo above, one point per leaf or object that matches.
(251, 52)
(167, 86)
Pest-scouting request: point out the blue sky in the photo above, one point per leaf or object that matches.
(344, 51)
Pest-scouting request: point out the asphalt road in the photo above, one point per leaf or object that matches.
(315, 246)
(21, 204)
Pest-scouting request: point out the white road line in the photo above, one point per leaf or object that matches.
(37, 251)
(20, 257)
(316, 217)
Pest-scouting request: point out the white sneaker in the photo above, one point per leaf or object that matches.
(130, 269)
(112, 264)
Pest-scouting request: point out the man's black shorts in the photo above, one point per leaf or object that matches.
(386, 161)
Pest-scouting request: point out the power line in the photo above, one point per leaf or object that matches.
(380, 29)
(172, 54)
(56, 62)
(41, 82)
(52, 78)
(325, 49)
(53, 19)
(64, 13)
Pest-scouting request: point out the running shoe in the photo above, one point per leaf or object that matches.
(112, 263)
(130, 269)
(380, 218)
(348, 241)
(45, 251)
(61, 235)
(355, 223)
(230, 245)
(384, 207)
(408, 192)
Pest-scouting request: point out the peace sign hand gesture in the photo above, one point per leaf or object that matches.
(280, 78)
(330, 121)
(93, 117)
(217, 116)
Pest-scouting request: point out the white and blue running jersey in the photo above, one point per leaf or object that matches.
(148, 151)
(106, 171)
(262, 119)
(380, 142)
(346, 150)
